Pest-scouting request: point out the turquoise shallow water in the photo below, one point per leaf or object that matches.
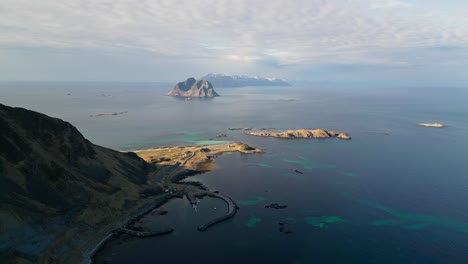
(378, 198)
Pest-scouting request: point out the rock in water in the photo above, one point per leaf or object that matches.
(193, 88)
(434, 125)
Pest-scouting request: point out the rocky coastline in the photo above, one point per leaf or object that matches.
(301, 133)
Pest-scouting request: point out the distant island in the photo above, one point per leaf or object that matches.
(228, 81)
(434, 125)
(109, 114)
(193, 88)
(302, 133)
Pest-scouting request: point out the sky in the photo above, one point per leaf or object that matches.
(376, 42)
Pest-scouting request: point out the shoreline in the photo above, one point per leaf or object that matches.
(182, 162)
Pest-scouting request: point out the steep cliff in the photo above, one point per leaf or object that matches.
(52, 180)
(193, 88)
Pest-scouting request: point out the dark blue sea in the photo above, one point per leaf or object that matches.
(395, 193)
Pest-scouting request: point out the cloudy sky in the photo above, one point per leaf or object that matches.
(398, 42)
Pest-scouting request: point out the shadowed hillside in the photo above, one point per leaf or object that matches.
(53, 180)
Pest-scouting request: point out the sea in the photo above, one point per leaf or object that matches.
(395, 193)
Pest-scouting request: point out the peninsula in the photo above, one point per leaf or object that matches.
(301, 133)
(176, 163)
(193, 88)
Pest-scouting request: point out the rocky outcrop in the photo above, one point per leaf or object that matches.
(193, 88)
(434, 125)
(302, 133)
(276, 206)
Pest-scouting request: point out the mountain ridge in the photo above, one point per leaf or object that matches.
(49, 170)
(231, 81)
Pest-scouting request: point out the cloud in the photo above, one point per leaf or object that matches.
(376, 4)
(274, 32)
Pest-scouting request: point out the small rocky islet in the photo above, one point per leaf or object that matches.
(301, 133)
(284, 227)
(276, 206)
(433, 125)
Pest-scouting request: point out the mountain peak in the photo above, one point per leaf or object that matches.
(193, 88)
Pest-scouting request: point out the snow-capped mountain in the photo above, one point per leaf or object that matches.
(221, 80)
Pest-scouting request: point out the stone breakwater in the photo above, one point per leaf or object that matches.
(88, 257)
(301, 133)
(143, 234)
(232, 210)
(126, 229)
